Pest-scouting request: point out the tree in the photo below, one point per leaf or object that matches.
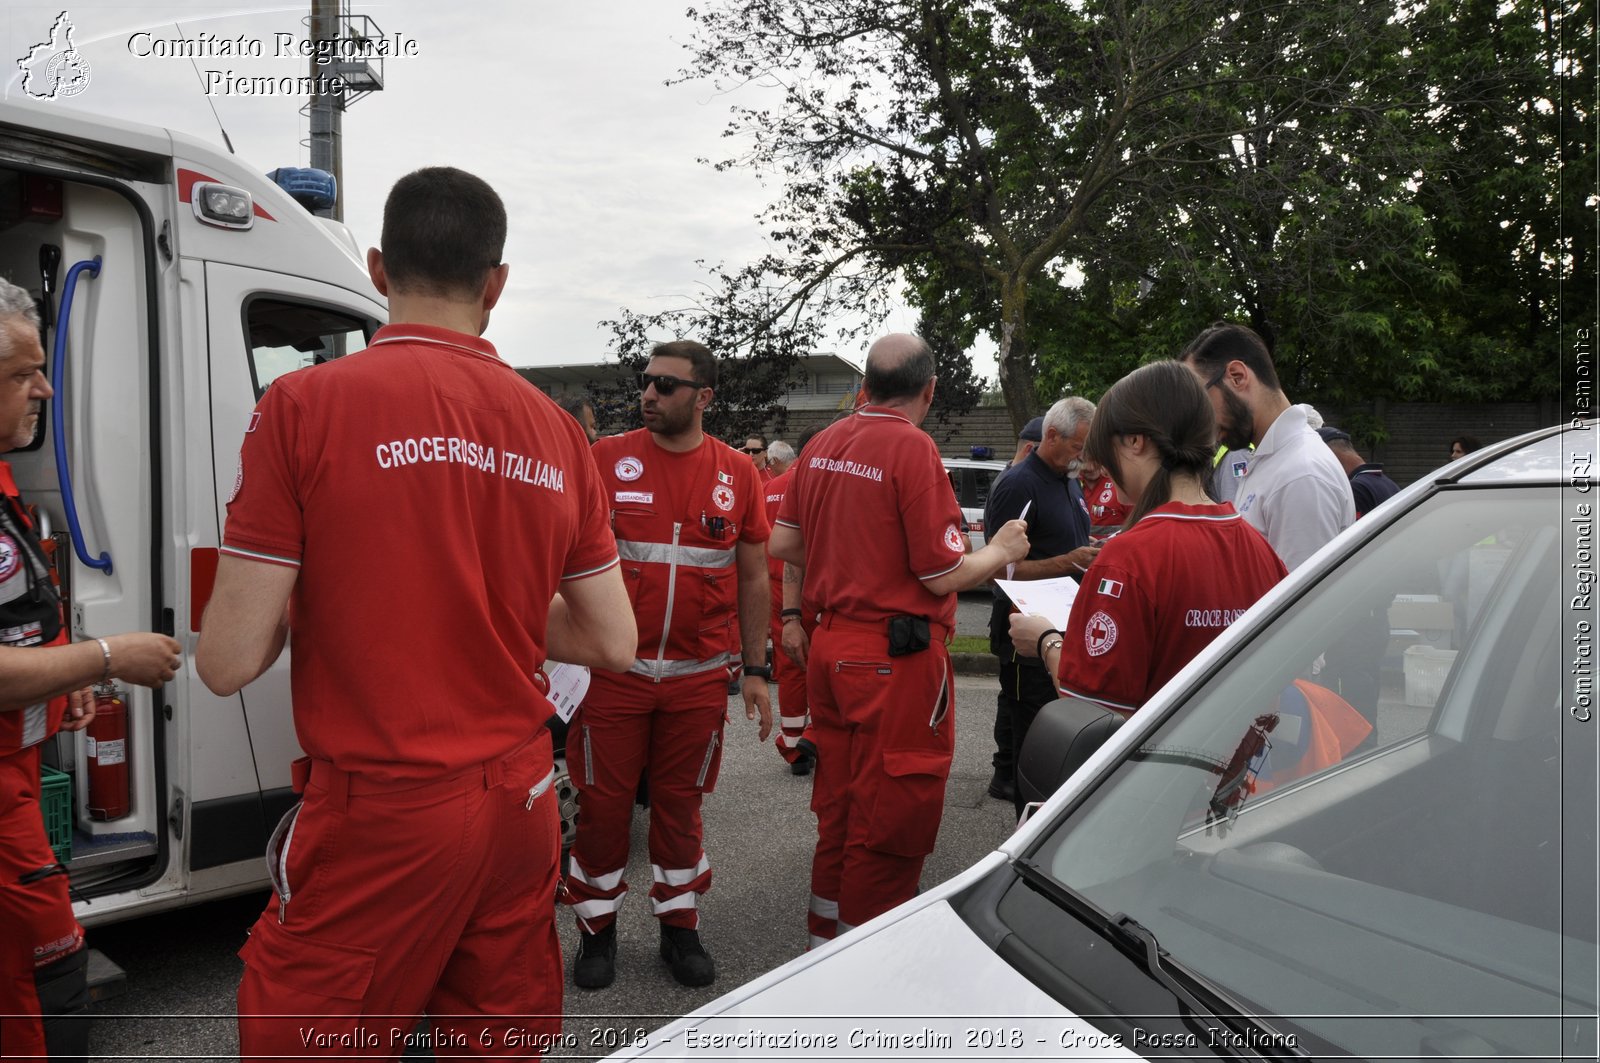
(982, 144)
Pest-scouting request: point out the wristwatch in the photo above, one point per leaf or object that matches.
(760, 671)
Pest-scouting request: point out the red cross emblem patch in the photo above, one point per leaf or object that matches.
(1100, 634)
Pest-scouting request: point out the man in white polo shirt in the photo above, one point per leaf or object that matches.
(1294, 491)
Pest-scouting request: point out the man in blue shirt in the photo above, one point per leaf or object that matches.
(1369, 484)
(1058, 545)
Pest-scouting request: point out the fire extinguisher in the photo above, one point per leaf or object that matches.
(108, 755)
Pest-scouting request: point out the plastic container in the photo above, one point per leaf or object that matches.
(1426, 667)
(55, 798)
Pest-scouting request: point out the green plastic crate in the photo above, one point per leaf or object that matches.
(55, 798)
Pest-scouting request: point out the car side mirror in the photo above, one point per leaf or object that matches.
(1061, 738)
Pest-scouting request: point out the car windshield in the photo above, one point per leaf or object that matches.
(1424, 887)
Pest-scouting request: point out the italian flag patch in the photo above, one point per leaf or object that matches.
(1111, 588)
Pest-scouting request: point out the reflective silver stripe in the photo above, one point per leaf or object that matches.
(792, 721)
(600, 906)
(661, 669)
(34, 718)
(672, 593)
(669, 553)
(705, 765)
(680, 876)
(588, 758)
(607, 882)
(674, 904)
(788, 741)
(824, 908)
(818, 941)
(842, 928)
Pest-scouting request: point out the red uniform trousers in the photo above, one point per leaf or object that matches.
(42, 973)
(671, 732)
(397, 899)
(794, 714)
(885, 733)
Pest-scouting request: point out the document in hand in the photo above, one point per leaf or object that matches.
(1042, 597)
(568, 684)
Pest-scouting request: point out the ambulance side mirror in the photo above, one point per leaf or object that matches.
(1061, 738)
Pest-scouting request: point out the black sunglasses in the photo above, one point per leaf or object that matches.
(754, 450)
(666, 385)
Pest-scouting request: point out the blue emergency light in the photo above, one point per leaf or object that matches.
(313, 189)
(981, 453)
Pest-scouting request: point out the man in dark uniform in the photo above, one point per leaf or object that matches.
(1369, 484)
(1058, 545)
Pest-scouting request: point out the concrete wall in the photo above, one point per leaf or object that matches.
(1418, 441)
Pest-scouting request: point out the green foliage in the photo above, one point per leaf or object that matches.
(1398, 195)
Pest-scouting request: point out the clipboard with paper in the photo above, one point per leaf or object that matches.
(1050, 598)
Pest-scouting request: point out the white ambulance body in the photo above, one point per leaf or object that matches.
(168, 347)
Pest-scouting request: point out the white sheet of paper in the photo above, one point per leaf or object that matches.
(1050, 598)
(568, 684)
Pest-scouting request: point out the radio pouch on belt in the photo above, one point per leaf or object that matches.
(907, 634)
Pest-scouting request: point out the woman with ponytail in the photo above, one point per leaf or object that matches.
(1183, 567)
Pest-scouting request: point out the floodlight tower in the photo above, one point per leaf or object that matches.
(340, 53)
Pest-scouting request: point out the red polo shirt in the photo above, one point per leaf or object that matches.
(874, 504)
(433, 502)
(1157, 595)
(711, 498)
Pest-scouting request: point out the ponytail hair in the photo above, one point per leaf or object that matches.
(1164, 403)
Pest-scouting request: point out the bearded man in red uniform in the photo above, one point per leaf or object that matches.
(691, 527)
(45, 686)
(872, 517)
(380, 491)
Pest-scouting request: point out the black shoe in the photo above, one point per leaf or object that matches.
(1002, 788)
(596, 965)
(801, 765)
(807, 747)
(691, 964)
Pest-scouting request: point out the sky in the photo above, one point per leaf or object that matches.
(562, 107)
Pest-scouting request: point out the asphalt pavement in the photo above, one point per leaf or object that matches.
(182, 969)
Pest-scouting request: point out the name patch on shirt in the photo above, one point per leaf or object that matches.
(1211, 617)
(481, 456)
(645, 497)
(866, 472)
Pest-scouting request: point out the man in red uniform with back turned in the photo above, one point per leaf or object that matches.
(691, 527)
(422, 504)
(872, 517)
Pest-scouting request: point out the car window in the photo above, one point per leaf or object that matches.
(1358, 823)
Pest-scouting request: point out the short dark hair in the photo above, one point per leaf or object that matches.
(1164, 403)
(756, 435)
(574, 403)
(805, 437)
(903, 379)
(1225, 342)
(1468, 443)
(443, 231)
(702, 362)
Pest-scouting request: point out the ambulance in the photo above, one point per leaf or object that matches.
(176, 282)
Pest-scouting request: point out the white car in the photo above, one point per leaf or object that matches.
(972, 479)
(1221, 877)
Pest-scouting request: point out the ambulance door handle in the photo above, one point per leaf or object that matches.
(58, 424)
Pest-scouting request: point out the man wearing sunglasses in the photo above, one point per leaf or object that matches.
(691, 528)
